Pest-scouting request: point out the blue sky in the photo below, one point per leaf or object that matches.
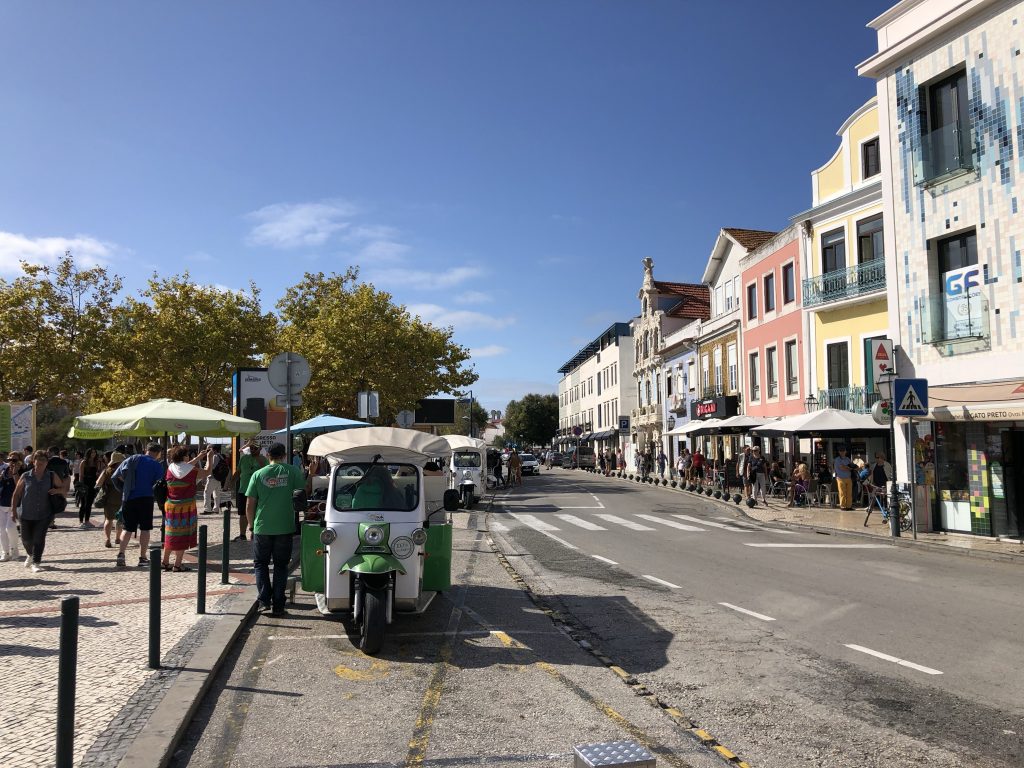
(501, 167)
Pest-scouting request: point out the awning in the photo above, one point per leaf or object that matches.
(677, 431)
(604, 435)
(739, 424)
(987, 401)
(827, 421)
(693, 426)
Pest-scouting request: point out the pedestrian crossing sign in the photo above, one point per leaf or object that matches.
(911, 397)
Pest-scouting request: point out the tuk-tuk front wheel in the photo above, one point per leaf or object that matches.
(467, 498)
(374, 620)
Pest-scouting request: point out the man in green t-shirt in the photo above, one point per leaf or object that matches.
(250, 460)
(268, 510)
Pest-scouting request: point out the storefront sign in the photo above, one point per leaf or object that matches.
(707, 408)
(963, 302)
(717, 408)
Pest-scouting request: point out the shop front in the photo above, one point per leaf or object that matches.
(972, 455)
(716, 447)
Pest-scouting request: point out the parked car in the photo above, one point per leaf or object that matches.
(586, 459)
(530, 464)
(556, 459)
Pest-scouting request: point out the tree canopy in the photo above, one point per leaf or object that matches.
(355, 337)
(532, 420)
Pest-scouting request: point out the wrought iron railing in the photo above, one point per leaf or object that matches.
(844, 283)
(856, 399)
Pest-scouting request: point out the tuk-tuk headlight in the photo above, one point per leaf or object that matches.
(327, 536)
(373, 535)
(419, 537)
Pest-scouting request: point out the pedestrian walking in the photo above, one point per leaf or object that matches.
(601, 463)
(515, 469)
(61, 467)
(757, 474)
(10, 471)
(32, 494)
(216, 472)
(843, 469)
(877, 484)
(662, 461)
(249, 462)
(88, 472)
(108, 498)
(268, 511)
(137, 475)
(181, 520)
(742, 465)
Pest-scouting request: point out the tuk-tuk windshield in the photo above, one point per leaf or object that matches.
(394, 487)
(467, 459)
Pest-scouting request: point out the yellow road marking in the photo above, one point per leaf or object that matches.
(378, 670)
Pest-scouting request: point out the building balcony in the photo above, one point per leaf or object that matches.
(942, 154)
(958, 323)
(855, 399)
(846, 283)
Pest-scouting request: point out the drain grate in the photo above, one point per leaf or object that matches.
(621, 753)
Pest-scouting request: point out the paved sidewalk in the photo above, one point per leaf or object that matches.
(116, 690)
(831, 519)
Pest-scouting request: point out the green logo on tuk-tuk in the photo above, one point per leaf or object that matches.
(373, 538)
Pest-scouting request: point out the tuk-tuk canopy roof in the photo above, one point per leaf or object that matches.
(393, 444)
(461, 442)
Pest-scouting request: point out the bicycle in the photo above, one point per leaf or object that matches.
(902, 505)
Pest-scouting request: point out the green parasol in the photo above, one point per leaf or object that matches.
(161, 417)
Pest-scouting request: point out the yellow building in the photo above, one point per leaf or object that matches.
(844, 285)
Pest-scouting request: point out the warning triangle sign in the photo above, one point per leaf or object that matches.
(911, 401)
(1019, 390)
(881, 354)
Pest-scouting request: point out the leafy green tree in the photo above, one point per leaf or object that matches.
(184, 340)
(55, 323)
(356, 338)
(532, 420)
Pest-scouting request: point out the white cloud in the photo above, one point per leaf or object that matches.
(295, 225)
(459, 318)
(472, 297)
(491, 350)
(423, 279)
(382, 250)
(15, 248)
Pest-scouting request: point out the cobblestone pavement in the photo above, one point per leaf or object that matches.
(116, 690)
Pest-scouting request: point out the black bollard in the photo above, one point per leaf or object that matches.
(201, 588)
(154, 607)
(225, 547)
(67, 671)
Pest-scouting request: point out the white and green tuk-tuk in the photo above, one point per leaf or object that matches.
(467, 468)
(384, 545)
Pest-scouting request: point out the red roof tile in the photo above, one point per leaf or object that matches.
(750, 238)
(695, 300)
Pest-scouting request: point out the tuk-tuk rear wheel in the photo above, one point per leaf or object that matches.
(374, 620)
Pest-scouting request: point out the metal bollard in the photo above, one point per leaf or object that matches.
(154, 607)
(225, 547)
(201, 587)
(67, 672)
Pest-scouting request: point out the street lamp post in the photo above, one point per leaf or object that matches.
(811, 403)
(886, 388)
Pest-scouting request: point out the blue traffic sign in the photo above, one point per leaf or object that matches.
(910, 396)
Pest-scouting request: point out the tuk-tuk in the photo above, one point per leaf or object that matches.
(467, 468)
(384, 543)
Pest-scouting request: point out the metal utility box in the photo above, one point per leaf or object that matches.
(622, 753)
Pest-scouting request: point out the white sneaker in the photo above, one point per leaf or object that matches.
(28, 560)
(4, 557)
(36, 568)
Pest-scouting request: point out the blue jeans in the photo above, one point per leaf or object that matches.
(276, 547)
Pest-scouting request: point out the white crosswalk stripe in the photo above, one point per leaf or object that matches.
(534, 522)
(672, 523)
(625, 523)
(712, 523)
(580, 522)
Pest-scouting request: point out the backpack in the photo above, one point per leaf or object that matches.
(220, 469)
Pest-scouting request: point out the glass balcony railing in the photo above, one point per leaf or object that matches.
(856, 399)
(942, 153)
(844, 283)
(947, 319)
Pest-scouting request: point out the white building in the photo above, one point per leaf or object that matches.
(949, 83)
(596, 392)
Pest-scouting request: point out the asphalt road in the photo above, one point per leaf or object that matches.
(793, 648)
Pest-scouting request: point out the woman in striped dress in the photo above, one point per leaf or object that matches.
(181, 521)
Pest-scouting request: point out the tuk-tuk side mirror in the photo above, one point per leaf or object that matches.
(451, 500)
(299, 501)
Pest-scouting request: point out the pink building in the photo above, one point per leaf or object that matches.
(773, 328)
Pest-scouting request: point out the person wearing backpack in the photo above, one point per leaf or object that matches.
(218, 468)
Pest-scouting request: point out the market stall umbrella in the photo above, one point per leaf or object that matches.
(827, 421)
(735, 425)
(696, 427)
(161, 417)
(325, 422)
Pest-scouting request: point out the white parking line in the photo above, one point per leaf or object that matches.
(820, 546)
(671, 523)
(894, 660)
(604, 560)
(585, 524)
(663, 583)
(712, 523)
(760, 616)
(625, 523)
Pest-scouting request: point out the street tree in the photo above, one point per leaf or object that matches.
(55, 322)
(356, 338)
(532, 420)
(183, 340)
